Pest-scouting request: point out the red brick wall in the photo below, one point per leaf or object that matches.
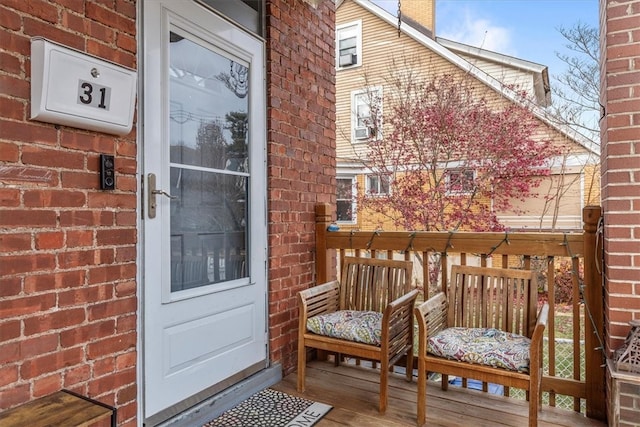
(301, 155)
(67, 249)
(629, 404)
(620, 34)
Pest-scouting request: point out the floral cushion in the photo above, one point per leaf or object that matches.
(351, 325)
(485, 346)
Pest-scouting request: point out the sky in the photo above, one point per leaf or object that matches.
(526, 29)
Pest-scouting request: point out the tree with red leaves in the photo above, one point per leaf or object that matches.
(451, 157)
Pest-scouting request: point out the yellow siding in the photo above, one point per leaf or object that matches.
(592, 185)
(517, 79)
(368, 220)
(565, 212)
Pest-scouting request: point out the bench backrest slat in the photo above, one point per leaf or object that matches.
(485, 297)
(372, 283)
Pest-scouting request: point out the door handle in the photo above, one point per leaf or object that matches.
(164, 193)
(152, 204)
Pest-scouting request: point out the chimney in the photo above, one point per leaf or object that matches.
(422, 12)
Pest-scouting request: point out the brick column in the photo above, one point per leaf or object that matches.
(620, 136)
(620, 131)
(301, 155)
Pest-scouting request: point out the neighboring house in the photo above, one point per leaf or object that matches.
(181, 281)
(369, 44)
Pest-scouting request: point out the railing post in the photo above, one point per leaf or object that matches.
(594, 305)
(323, 261)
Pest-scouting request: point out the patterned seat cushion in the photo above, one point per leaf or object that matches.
(485, 346)
(351, 325)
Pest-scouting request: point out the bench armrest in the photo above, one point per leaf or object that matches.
(318, 300)
(432, 318)
(432, 314)
(535, 362)
(397, 326)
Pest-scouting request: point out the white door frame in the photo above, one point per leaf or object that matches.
(154, 11)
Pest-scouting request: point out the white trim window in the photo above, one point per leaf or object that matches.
(349, 45)
(460, 181)
(345, 199)
(366, 114)
(378, 185)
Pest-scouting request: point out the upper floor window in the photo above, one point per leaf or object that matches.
(366, 113)
(378, 185)
(349, 44)
(460, 181)
(345, 200)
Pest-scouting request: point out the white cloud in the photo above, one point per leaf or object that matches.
(478, 32)
(461, 23)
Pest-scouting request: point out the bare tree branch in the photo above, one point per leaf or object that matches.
(578, 90)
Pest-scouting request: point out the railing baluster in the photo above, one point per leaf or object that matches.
(575, 288)
(444, 272)
(426, 277)
(551, 292)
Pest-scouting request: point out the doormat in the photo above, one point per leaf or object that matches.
(272, 408)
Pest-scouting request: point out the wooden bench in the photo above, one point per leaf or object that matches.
(63, 408)
(367, 284)
(480, 297)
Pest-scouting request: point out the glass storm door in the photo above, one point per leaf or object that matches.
(204, 202)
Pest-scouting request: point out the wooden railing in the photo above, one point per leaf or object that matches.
(434, 252)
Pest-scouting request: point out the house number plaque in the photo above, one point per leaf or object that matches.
(72, 88)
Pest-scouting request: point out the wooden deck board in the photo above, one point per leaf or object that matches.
(353, 393)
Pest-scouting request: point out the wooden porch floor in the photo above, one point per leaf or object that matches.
(353, 393)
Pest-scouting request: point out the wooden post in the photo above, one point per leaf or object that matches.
(323, 259)
(594, 305)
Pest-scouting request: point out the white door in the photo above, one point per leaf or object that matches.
(204, 202)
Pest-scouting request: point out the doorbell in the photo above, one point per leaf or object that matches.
(107, 172)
